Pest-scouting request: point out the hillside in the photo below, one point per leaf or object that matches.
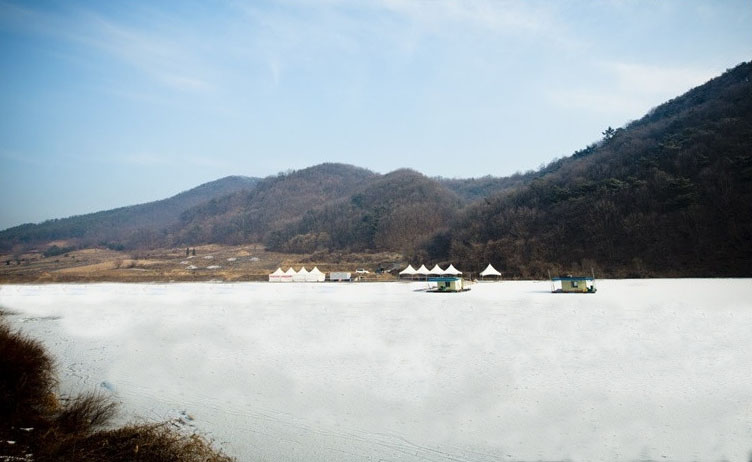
(394, 212)
(473, 189)
(133, 226)
(668, 195)
(276, 201)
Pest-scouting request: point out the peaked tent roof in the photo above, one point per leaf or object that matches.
(422, 270)
(490, 271)
(290, 271)
(436, 270)
(300, 276)
(315, 275)
(452, 270)
(279, 272)
(408, 270)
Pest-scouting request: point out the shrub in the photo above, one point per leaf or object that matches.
(78, 429)
(142, 443)
(27, 378)
(54, 251)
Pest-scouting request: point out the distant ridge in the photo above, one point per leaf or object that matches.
(125, 226)
(276, 201)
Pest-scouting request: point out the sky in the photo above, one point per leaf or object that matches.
(106, 104)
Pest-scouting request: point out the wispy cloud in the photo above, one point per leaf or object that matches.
(496, 15)
(144, 159)
(390, 29)
(657, 80)
(628, 90)
(149, 159)
(169, 58)
(8, 155)
(170, 61)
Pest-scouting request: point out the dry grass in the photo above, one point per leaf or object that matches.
(144, 443)
(27, 378)
(237, 263)
(77, 429)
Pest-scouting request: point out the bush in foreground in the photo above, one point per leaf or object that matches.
(27, 378)
(35, 425)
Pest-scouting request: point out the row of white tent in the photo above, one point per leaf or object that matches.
(435, 271)
(297, 276)
(450, 271)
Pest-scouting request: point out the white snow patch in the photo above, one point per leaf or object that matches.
(646, 369)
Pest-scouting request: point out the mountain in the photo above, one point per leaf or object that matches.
(132, 226)
(473, 189)
(275, 202)
(667, 195)
(390, 212)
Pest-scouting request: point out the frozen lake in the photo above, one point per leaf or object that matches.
(642, 370)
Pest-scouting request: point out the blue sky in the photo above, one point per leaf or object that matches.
(106, 104)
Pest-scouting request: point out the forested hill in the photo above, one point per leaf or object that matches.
(276, 201)
(132, 226)
(668, 195)
(395, 212)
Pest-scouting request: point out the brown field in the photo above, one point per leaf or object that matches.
(211, 263)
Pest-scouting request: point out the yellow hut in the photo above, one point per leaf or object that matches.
(573, 285)
(448, 284)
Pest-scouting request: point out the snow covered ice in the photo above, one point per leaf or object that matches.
(644, 369)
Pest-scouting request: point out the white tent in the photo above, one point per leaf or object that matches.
(436, 270)
(422, 271)
(301, 276)
(452, 270)
(489, 271)
(315, 275)
(409, 271)
(279, 276)
(289, 275)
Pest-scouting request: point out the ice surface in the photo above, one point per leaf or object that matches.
(643, 369)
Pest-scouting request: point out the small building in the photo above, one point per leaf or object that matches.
(340, 276)
(573, 285)
(448, 284)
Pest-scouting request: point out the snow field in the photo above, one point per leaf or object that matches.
(643, 369)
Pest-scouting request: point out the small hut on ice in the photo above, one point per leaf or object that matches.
(573, 285)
